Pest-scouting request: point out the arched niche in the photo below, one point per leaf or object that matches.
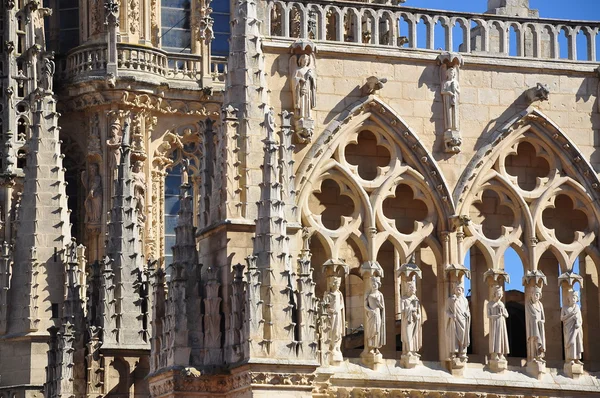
(183, 144)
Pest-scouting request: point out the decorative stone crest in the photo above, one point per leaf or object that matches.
(303, 77)
(450, 64)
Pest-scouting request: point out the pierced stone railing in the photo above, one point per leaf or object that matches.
(396, 26)
(91, 60)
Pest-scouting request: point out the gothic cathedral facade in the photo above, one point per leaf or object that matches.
(251, 198)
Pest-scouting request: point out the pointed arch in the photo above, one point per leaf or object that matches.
(569, 172)
(536, 122)
(374, 110)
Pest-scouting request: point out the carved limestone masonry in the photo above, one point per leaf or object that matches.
(94, 362)
(125, 255)
(176, 328)
(572, 320)
(5, 265)
(234, 343)
(458, 320)
(450, 64)
(540, 92)
(307, 300)
(32, 257)
(254, 322)
(212, 318)
(497, 315)
(535, 319)
(410, 314)
(598, 92)
(286, 164)
(157, 357)
(303, 78)
(232, 174)
(111, 8)
(203, 22)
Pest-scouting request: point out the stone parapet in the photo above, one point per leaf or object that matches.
(397, 27)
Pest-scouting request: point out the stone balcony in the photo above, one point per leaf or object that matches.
(89, 62)
(401, 27)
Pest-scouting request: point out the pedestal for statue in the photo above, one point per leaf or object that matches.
(457, 366)
(498, 365)
(452, 141)
(372, 360)
(573, 370)
(336, 358)
(536, 368)
(410, 361)
(304, 130)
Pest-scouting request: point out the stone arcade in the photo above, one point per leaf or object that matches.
(297, 198)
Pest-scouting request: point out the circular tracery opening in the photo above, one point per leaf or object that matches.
(331, 204)
(492, 214)
(404, 209)
(564, 219)
(527, 166)
(367, 155)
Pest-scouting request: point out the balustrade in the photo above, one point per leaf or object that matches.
(396, 26)
(91, 61)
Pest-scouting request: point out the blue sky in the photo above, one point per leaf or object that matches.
(574, 9)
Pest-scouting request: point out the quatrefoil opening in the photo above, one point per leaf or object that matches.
(367, 155)
(527, 166)
(331, 204)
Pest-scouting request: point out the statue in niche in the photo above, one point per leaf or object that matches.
(93, 200)
(336, 312)
(113, 145)
(304, 94)
(410, 313)
(375, 317)
(572, 320)
(536, 334)
(139, 190)
(497, 314)
(459, 323)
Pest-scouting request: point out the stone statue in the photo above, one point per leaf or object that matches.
(570, 315)
(450, 94)
(536, 334)
(304, 91)
(410, 313)
(336, 313)
(459, 323)
(139, 190)
(497, 314)
(48, 68)
(375, 317)
(113, 145)
(93, 200)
